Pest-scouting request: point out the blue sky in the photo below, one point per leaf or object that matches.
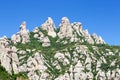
(98, 16)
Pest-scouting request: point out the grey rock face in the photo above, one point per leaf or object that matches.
(49, 27)
(65, 29)
(98, 39)
(8, 56)
(36, 64)
(22, 36)
(41, 37)
(24, 33)
(15, 60)
(4, 56)
(88, 37)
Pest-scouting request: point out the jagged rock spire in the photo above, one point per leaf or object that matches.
(50, 27)
(98, 39)
(65, 21)
(23, 25)
(24, 32)
(88, 37)
(23, 35)
(65, 28)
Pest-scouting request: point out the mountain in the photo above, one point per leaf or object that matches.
(64, 53)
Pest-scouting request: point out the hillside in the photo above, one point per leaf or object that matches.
(64, 53)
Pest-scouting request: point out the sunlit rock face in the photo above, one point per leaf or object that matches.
(65, 53)
(98, 39)
(8, 56)
(22, 35)
(65, 28)
(49, 27)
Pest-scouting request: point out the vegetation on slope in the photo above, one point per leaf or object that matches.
(49, 52)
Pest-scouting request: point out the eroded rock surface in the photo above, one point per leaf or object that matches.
(22, 36)
(65, 53)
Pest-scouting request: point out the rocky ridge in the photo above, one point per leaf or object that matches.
(64, 53)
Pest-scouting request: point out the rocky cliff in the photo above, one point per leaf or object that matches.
(64, 53)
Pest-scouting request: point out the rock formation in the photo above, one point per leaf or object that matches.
(22, 36)
(41, 37)
(49, 27)
(98, 39)
(65, 28)
(65, 53)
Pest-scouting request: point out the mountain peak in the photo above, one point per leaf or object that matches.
(65, 28)
(65, 21)
(23, 35)
(49, 27)
(23, 25)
